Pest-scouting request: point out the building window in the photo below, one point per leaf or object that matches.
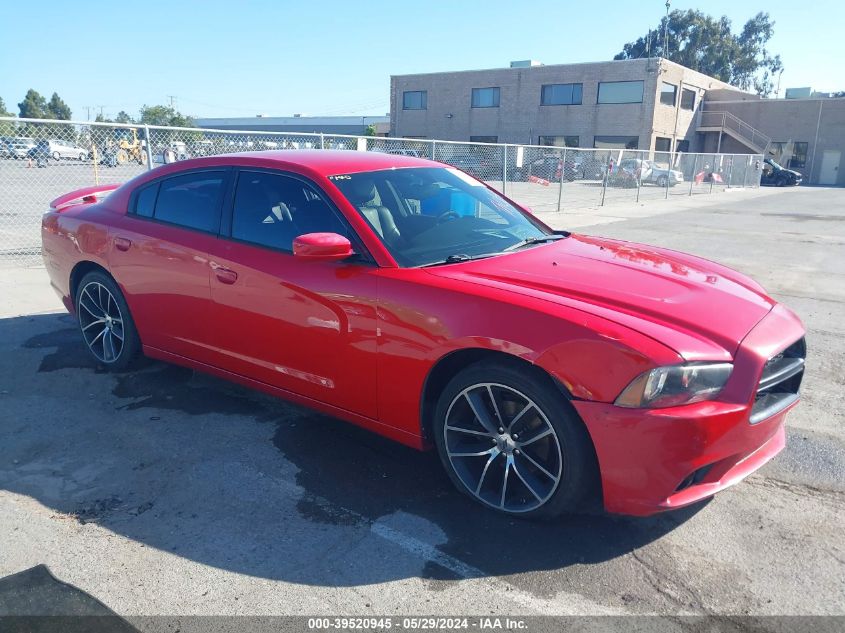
(561, 94)
(799, 155)
(662, 144)
(620, 92)
(483, 139)
(559, 141)
(667, 94)
(485, 97)
(682, 146)
(616, 142)
(415, 100)
(687, 99)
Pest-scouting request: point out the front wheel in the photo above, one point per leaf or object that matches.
(106, 324)
(509, 440)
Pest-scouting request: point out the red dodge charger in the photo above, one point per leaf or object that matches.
(403, 295)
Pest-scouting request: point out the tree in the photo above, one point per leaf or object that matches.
(122, 117)
(708, 45)
(164, 115)
(370, 130)
(33, 106)
(58, 109)
(7, 128)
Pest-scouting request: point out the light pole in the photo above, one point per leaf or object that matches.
(666, 33)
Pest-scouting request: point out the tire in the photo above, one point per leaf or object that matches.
(122, 157)
(56, 156)
(98, 297)
(662, 181)
(551, 473)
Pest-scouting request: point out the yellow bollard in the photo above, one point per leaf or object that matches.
(94, 158)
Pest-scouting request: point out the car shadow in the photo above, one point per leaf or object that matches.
(230, 478)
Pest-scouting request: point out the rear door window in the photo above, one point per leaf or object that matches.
(192, 200)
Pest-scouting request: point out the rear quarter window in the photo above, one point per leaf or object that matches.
(145, 201)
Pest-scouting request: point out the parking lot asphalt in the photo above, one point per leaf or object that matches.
(164, 491)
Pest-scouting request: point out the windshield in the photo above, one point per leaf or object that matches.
(430, 215)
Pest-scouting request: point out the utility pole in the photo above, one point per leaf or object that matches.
(666, 33)
(87, 113)
(172, 101)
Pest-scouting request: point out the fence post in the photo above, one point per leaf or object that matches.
(149, 147)
(322, 141)
(604, 180)
(666, 192)
(562, 175)
(730, 170)
(713, 173)
(694, 167)
(433, 150)
(640, 175)
(744, 171)
(504, 166)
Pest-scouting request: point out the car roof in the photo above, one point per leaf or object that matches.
(331, 162)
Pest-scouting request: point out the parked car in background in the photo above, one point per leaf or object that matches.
(57, 150)
(403, 152)
(649, 172)
(546, 167)
(547, 369)
(776, 176)
(481, 166)
(17, 148)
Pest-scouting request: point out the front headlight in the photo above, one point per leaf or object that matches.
(675, 385)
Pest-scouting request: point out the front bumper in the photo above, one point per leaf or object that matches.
(652, 460)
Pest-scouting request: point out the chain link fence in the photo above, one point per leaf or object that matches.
(41, 160)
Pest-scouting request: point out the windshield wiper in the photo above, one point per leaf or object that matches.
(535, 240)
(458, 257)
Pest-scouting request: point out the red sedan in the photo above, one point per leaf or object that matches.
(407, 297)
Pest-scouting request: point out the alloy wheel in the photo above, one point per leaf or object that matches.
(502, 447)
(101, 322)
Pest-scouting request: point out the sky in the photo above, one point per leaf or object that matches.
(335, 57)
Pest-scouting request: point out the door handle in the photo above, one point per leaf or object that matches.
(122, 243)
(226, 276)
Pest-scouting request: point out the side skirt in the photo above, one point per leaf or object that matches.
(397, 435)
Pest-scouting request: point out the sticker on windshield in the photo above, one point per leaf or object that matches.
(465, 177)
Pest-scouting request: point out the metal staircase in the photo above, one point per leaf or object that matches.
(733, 126)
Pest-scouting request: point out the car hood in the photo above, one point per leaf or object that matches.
(652, 289)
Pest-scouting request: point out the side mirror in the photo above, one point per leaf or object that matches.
(322, 247)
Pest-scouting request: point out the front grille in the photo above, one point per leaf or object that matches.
(780, 382)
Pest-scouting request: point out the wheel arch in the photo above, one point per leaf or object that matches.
(453, 362)
(79, 271)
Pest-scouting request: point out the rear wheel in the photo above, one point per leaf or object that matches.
(511, 442)
(56, 156)
(662, 181)
(107, 327)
